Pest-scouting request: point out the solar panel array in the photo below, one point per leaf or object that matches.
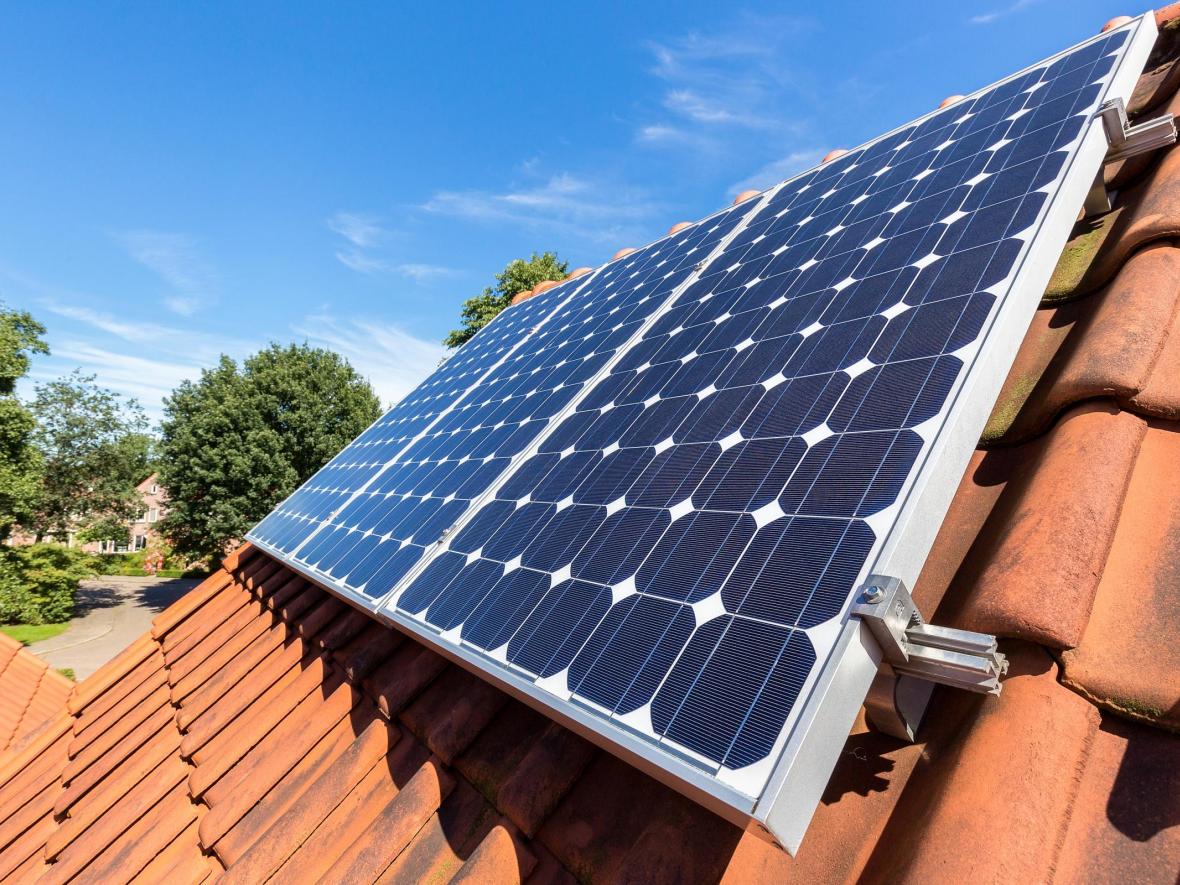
(368, 517)
(662, 497)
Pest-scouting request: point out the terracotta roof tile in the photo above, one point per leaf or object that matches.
(224, 751)
(169, 620)
(395, 825)
(269, 848)
(452, 710)
(1035, 565)
(264, 727)
(260, 822)
(549, 768)
(450, 837)
(264, 667)
(1107, 345)
(1129, 656)
(398, 681)
(1127, 804)
(499, 857)
(111, 674)
(367, 649)
(352, 817)
(999, 784)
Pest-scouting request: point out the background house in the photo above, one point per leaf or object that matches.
(141, 531)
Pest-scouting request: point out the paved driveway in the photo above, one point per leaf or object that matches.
(111, 613)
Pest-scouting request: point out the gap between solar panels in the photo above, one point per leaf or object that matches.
(677, 505)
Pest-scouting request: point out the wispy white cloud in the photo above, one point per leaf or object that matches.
(736, 77)
(732, 93)
(361, 261)
(182, 304)
(146, 379)
(177, 260)
(987, 18)
(392, 359)
(423, 272)
(360, 229)
(595, 210)
(201, 347)
(366, 250)
(148, 360)
(779, 170)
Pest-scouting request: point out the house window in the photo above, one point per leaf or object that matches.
(142, 517)
(153, 514)
(140, 542)
(153, 489)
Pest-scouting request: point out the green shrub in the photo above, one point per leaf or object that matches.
(37, 583)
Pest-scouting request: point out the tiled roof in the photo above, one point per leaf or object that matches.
(31, 694)
(264, 728)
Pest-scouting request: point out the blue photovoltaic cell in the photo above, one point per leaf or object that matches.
(368, 517)
(666, 546)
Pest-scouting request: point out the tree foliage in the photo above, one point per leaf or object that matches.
(38, 582)
(238, 441)
(20, 462)
(518, 276)
(94, 450)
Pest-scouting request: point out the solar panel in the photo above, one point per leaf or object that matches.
(764, 409)
(371, 514)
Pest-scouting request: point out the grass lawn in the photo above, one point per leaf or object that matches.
(27, 633)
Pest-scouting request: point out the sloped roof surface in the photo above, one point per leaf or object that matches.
(264, 729)
(31, 694)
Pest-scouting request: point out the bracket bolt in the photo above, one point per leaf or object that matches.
(873, 594)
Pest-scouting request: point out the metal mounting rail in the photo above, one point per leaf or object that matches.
(1126, 139)
(916, 652)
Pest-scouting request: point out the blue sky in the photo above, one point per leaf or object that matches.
(182, 180)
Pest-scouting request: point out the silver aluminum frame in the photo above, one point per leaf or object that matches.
(824, 715)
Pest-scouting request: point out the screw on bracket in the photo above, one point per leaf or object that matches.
(873, 594)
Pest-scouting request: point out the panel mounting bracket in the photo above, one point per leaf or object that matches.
(916, 655)
(1126, 139)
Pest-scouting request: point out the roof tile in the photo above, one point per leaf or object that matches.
(998, 786)
(321, 851)
(175, 614)
(1129, 656)
(398, 681)
(395, 825)
(1036, 560)
(1123, 825)
(500, 857)
(225, 750)
(1106, 345)
(452, 710)
(111, 674)
(285, 796)
(272, 846)
(262, 672)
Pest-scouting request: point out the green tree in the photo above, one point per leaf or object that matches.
(94, 450)
(20, 462)
(519, 276)
(236, 442)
